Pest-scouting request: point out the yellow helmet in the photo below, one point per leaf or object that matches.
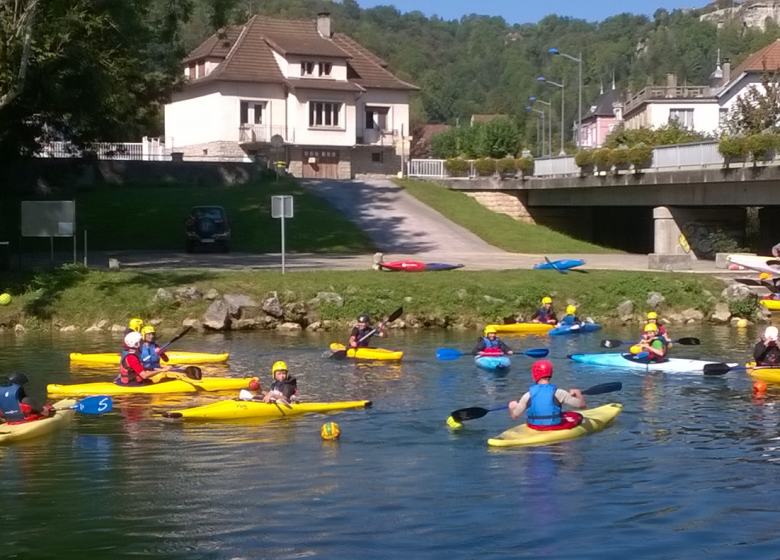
(571, 310)
(651, 327)
(764, 276)
(490, 329)
(546, 300)
(652, 315)
(146, 330)
(280, 365)
(136, 324)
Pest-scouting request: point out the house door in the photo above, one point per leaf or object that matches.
(320, 164)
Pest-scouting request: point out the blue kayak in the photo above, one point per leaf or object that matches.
(628, 361)
(575, 329)
(563, 264)
(492, 362)
(442, 266)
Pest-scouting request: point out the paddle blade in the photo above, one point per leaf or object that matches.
(448, 354)
(603, 388)
(97, 404)
(537, 352)
(469, 414)
(688, 341)
(611, 343)
(395, 314)
(339, 355)
(716, 369)
(194, 372)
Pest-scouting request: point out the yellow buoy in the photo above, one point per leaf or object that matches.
(742, 323)
(5, 299)
(330, 431)
(453, 424)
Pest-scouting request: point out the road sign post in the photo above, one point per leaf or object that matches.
(282, 208)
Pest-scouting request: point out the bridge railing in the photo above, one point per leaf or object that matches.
(678, 156)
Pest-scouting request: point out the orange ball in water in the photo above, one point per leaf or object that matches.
(759, 387)
(254, 385)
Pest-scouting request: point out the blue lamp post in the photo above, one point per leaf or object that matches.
(549, 122)
(563, 98)
(541, 148)
(578, 60)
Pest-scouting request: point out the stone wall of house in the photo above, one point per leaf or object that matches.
(364, 165)
(213, 151)
(511, 203)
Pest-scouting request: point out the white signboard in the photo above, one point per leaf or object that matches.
(282, 206)
(51, 218)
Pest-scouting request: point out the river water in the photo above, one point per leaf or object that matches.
(687, 471)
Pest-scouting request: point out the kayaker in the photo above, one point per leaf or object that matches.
(544, 401)
(151, 353)
(652, 317)
(545, 313)
(571, 319)
(283, 388)
(15, 406)
(491, 344)
(766, 351)
(652, 343)
(776, 251)
(135, 325)
(131, 369)
(362, 332)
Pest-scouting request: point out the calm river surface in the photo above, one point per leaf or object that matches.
(687, 471)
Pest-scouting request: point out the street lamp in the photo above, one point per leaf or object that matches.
(541, 148)
(579, 62)
(563, 98)
(549, 122)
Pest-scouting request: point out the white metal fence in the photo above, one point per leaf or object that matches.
(149, 149)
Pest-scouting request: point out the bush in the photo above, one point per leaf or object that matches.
(758, 145)
(444, 145)
(618, 156)
(525, 165)
(732, 147)
(745, 307)
(601, 157)
(584, 158)
(456, 166)
(640, 155)
(506, 166)
(485, 166)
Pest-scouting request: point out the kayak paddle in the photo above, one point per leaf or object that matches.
(453, 354)
(96, 404)
(722, 368)
(340, 351)
(552, 264)
(474, 412)
(171, 341)
(685, 341)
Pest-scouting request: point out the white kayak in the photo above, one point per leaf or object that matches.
(628, 361)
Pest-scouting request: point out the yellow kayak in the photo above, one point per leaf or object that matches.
(368, 353)
(237, 409)
(37, 428)
(523, 328)
(595, 420)
(773, 304)
(112, 359)
(175, 386)
(764, 373)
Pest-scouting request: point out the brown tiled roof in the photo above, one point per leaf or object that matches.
(318, 83)
(428, 130)
(371, 70)
(299, 37)
(217, 46)
(768, 57)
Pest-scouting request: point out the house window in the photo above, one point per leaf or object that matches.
(251, 113)
(682, 116)
(376, 157)
(376, 118)
(324, 114)
(307, 68)
(325, 68)
(201, 69)
(258, 113)
(244, 112)
(191, 71)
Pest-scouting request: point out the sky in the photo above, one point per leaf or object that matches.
(531, 11)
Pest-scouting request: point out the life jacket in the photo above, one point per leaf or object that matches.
(569, 320)
(126, 374)
(288, 387)
(360, 334)
(543, 411)
(149, 358)
(489, 344)
(654, 357)
(544, 314)
(771, 357)
(10, 407)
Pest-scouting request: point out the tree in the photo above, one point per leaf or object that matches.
(756, 111)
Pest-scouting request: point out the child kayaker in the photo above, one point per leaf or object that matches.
(570, 319)
(543, 402)
(283, 388)
(766, 351)
(652, 343)
(131, 368)
(652, 317)
(151, 354)
(361, 333)
(545, 313)
(15, 406)
(491, 344)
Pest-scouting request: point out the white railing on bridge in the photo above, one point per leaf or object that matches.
(665, 158)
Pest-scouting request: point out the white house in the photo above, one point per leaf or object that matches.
(748, 74)
(291, 90)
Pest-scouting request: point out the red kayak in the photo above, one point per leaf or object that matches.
(404, 266)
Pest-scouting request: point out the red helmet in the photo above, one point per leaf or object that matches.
(541, 369)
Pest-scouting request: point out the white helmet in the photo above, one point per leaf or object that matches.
(133, 340)
(771, 333)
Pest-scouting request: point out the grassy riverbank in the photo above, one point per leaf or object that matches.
(75, 296)
(152, 217)
(499, 230)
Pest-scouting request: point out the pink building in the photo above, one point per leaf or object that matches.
(604, 115)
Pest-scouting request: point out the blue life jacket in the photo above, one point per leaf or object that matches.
(9, 403)
(570, 320)
(361, 334)
(544, 314)
(543, 411)
(153, 361)
(491, 343)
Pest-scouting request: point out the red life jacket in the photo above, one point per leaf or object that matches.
(127, 374)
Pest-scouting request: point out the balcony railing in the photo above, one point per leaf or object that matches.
(262, 134)
(376, 137)
(667, 92)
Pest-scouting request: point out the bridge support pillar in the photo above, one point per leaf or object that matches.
(668, 234)
(768, 229)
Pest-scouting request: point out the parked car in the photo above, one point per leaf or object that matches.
(207, 226)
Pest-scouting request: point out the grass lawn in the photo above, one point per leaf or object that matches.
(152, 217)
(497, 229)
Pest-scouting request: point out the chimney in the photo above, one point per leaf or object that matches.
(726, 67)
(323, 24)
